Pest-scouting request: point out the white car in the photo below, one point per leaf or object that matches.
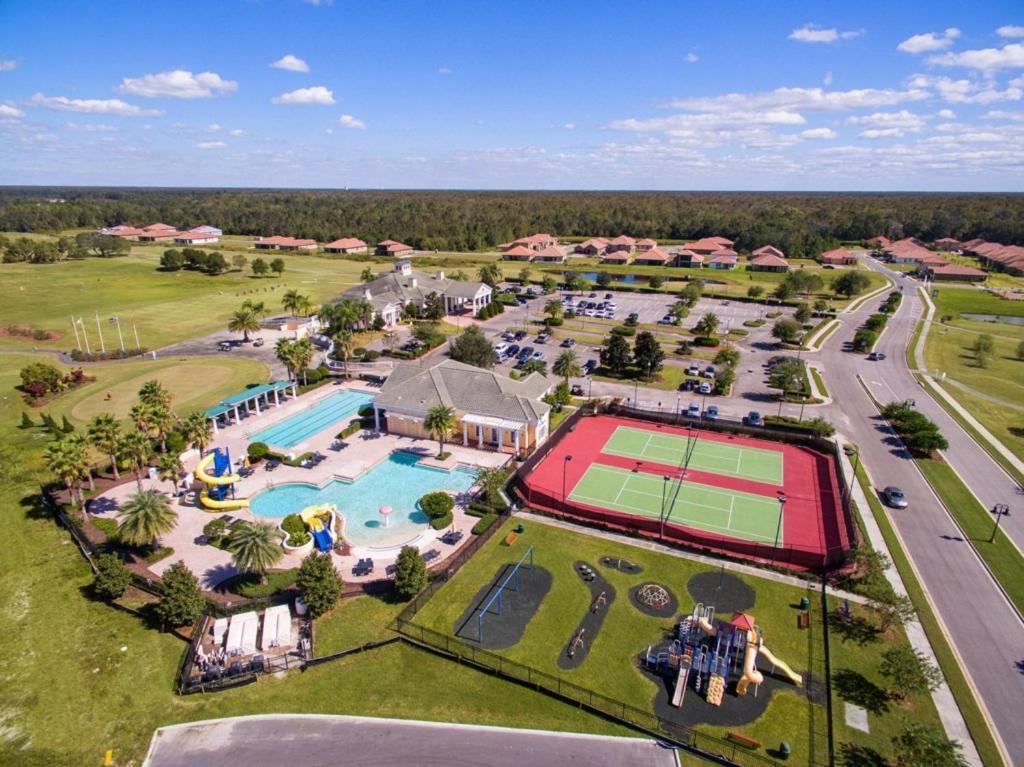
(537, 355)
(705, 388)
(500, 349)
(693, 370)
(693, 410)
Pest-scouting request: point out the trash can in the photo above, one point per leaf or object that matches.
(784, 749)
(520, 529)
(804, 603)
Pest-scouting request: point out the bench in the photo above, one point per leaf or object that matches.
(803, 620)
(743, 740)
(511, 538)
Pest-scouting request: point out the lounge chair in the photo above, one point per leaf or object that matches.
(431, 555)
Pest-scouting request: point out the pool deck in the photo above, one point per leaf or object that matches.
(358, 454)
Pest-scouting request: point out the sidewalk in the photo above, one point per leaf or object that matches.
(949, 713)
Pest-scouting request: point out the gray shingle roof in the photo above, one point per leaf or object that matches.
(465, 388)
(416, 286)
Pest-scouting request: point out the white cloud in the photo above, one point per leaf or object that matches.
(819, 133)
(348, 121)
(213, 127)
(796, 99)
(236, 132)
(1010, 31)
(291, 63)
(946, 114)
(903, 121)
(985, 59)
(178, 84)
(827, 79)
(444, 70)
(90, 127)
(211, 145)
(812, 33)
(569, 126)
(692, 58)
(9, 112)
(91, 106)
(882, 133)
(8, 65)
(1000, 114)
(929, 41)
(318, 94)
(969, 91)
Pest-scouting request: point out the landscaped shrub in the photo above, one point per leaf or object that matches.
(296, 530)
(484, 524)
(371, 355)
(112, 578)
(257, 451)
(864, 340)
(705, 341)
(410, 573)
(623, 330)
(108, 527)
(437, 504)
(753, 323)
(876, 321)
(440, 523)
(355, 425)
(215, 530)
(159, 553)
(553, 322)
(359, 351)
(319, 582)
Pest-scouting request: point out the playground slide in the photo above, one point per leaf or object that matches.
(706, 627)
(680, 690)
(323, 539)
(781, 666)
(209, 479)
(750, 672)
(225, 504)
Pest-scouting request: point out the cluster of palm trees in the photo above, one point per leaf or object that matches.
(295, 356)
(247, 318)
(296, 303)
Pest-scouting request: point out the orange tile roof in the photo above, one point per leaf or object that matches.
(346, 242)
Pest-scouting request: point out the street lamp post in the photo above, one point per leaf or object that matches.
(778, 528)
(1000, 510)
(664, 486)
(565, 465)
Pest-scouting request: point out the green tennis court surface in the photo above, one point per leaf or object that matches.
(751, 463)
(727, 512)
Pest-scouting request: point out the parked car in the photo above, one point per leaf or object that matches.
(754, 419)
(257, 342)
(668, 319)
(512, 350)
(894, 498)
(501, 348)
(225, 346)
(688, 385)
(576, 391)
(709, 371)
(537, 355)
(633, 317)
(592, 295)
(693, 410)
(693, 370)
(876, 356)
(705, 387)
(520, 335)
(608, 295)
(525, 353)
(589, 367)
(508, 335)
(711, 413)
(568, 343)
(542, 338)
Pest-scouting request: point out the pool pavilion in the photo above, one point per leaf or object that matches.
(229, 410)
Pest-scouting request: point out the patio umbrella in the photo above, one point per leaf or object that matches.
(385, 511)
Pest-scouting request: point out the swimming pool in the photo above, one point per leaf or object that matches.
(398, 482)
(324, 414)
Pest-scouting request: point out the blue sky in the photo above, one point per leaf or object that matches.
(913, 95)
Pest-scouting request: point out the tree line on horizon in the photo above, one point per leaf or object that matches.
(802, 224)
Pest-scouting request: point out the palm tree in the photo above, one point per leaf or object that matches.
(256, 307)
(305, 306)
(363, 311)
(490, 481)
(343, 346)
(170, 469)
(244, 321)
(136, 450)
(105, 433)
(490, 274)
(81, 442)
(440, 422)
(254, 547)
(142, 417)
(161, 420)
(524, 275)
(67, 462)
(366, 275)
(154, 394)
(553, 308)
(707, 325)
(302, 355)
(293, 301)
(198, 431)
(145, 517)
(566, 365)
(284, 349)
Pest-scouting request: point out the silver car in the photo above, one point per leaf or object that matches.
(894, 498)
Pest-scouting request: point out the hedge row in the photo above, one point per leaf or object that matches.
(485, 523)
(440, 523)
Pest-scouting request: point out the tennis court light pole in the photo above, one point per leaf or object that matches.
(664, 485)
(778, 529)
(565, 465)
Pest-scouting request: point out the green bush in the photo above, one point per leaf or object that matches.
(705, 341)
(876, 321)
(108, 527)
(215, 529)
(182, 602)
(485, 523)
(554, 322)
(351, 429)
(112, 578)
(864, 340)
(440, 523)
(296, 529)
(371, 355)
(753, 323)
(623, 330)
(319, 582)
(159, 553)
(257, 451)
(359, 351)
(437, 504)
(175, 443)
(410, 573)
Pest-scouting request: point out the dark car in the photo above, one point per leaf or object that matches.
(512, 350)
(592, 295)
(608, 295)
(568, 343)
(754, 419)
(520, 335)
(876, 356)
(688, 385)
(577, 390)
(633, 317)
(589, 366)
(525, 353)
(894, 498)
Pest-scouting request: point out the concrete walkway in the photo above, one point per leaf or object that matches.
(949, 713)
(326, 741)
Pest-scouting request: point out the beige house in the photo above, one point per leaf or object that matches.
(492, 411)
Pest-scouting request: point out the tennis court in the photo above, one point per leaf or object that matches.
(717, 510)
(712, 456)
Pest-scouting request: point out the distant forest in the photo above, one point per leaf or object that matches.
(800, 223)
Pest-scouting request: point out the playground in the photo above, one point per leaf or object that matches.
(749, 497)
(610, 618)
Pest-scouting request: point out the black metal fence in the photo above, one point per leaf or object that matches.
(703, 745)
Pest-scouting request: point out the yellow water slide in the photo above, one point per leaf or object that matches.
(226, 504)
(225, 479)
(209, 479)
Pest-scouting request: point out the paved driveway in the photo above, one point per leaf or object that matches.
(322, 741)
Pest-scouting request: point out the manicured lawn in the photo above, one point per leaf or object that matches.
(166, 306)
(1002, 557)
(81, 677)
(976, 301)
(951, 667)
(355, 621)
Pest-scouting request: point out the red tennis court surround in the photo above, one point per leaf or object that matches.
(814, 530)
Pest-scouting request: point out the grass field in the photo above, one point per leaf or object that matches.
(81, 677)
(609, 667)
(166, 306)
(974, 300)
(715, 457)
(725, 512)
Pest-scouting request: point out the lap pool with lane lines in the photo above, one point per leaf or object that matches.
(326, 413)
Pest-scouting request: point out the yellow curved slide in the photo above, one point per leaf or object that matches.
(781, 666)
(750, 672)
(227, 503)
(311, 516)
(202, 476)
